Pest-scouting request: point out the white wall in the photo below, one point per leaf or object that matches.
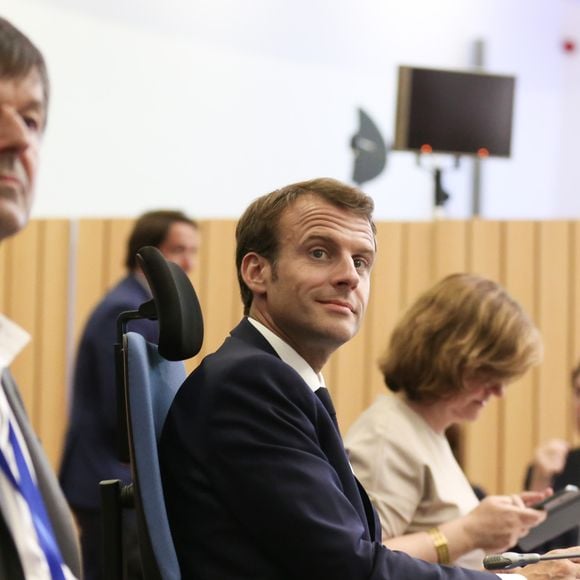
(205, 104)
(567, 194)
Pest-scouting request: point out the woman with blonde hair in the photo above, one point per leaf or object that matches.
(461, 343)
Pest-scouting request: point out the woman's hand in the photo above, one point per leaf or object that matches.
(530, 498)
(499, 521)
(549, 460)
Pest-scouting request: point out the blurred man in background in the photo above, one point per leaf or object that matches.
(90, 454)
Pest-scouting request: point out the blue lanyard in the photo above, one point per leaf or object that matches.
(29, 491)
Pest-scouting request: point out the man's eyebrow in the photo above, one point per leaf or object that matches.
(329, 240)
(317, 238)
(35, 105)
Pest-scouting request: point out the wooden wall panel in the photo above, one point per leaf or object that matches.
(552, 316)
(218, 287)
(574, 317)
(196, 278)
(417, 265)
(450, 248)
(485, 249)
(22, 306)
(3, 277)
(482, 438)
(117, 232)
(90, 281)
(51, 408)
(349, 380)
(385, 301)
(518, 408)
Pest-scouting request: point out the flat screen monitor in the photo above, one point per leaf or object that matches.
(465, 113)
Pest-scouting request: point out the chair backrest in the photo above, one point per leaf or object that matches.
(176, 305)
(153, 382)
(153, 376)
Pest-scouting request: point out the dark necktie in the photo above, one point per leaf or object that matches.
(27, 488)
(324, 396)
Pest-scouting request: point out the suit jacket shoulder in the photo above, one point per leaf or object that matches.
(128, 294)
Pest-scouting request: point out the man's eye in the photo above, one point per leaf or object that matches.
(32, 123)
(359, 263)
(318, 253)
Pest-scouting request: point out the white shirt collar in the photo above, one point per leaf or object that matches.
(290, 356)
(5, 415)
(12, 340)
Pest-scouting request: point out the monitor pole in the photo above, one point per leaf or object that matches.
(478, 61)
(441, 196)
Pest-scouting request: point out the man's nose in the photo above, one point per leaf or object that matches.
(187, 263)
(13, 133)
(346, 272)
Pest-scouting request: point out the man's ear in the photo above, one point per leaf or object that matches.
(256, 272)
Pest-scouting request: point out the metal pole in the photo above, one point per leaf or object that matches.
(478, 61)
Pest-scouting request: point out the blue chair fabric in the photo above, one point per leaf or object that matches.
(153, 382)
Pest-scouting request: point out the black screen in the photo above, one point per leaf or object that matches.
(455, 112)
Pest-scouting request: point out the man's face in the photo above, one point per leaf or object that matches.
(315, 295)
(22, 119)
(181, 245)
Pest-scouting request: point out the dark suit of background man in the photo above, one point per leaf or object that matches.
(37, 534)
(256, 479)
(90, 452)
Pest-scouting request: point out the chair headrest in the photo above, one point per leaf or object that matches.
(178, 310)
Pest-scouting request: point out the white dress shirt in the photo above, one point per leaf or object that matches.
(14, 507)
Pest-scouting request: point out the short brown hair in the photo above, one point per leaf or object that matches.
(151, 229)
(19, 56)
(464, 326)
(257, 229)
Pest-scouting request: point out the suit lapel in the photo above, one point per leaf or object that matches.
(246, 332)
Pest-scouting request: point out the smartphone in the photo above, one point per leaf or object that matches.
(559, 498)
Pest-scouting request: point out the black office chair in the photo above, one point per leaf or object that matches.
(148, 378)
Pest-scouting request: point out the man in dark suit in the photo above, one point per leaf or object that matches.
(90, 454)
(37, 534)
(256, 479)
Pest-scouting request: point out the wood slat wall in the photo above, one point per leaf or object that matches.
(53, 274)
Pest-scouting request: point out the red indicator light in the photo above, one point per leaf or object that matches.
(569, 45)
(483, 152)
(426, 148)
